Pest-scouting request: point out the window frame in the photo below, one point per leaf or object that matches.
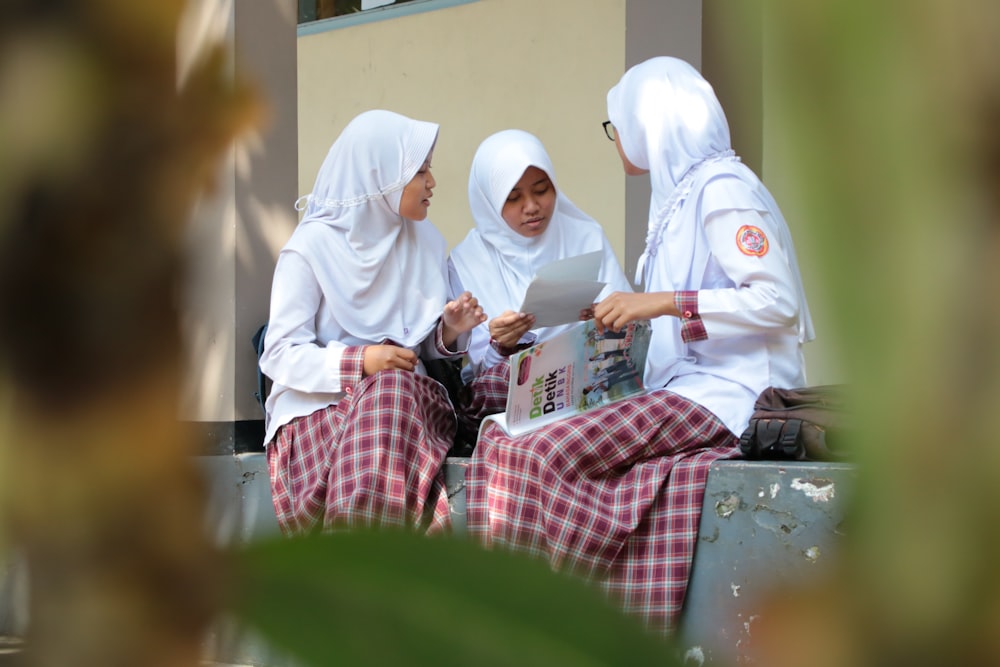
(376, 14)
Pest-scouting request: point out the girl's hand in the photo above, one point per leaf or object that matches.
(383, 357)
(461, 315)
(620, 308)
(508, 327)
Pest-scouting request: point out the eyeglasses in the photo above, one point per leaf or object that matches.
(609, 129)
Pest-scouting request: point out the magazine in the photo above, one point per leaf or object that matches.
(578, 370)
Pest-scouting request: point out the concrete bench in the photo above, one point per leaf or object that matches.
(763, 523)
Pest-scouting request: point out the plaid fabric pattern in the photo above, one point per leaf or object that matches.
(692, 326)
(613, 495)
(486, 395)
(375, 458)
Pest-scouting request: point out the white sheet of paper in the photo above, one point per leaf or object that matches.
(580, 267)
(561, 289)
(555, 302)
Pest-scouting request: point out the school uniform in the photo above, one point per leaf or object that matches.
(497, 264)
(615, 494)
(344, 449)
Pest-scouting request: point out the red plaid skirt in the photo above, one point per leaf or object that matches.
(613, 495)
(372, 459)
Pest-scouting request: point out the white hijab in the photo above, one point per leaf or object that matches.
(670, 122)
(382, 275)
(496, 263)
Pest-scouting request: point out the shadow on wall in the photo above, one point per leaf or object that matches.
(238, 227)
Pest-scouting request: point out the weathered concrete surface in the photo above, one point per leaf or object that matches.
(763, 524)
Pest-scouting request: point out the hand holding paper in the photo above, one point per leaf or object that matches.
(561, 289)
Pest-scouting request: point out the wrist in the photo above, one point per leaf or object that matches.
(503, 350)
(449, 334)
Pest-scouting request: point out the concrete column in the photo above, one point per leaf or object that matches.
(732, 61)
(237, 230)
(655, 28)
(723, 40)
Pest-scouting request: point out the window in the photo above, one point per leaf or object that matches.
(317, 16)
(314, 10)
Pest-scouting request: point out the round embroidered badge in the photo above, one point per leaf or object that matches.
(751, 241)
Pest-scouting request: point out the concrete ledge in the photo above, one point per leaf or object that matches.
(239, 500)
(764, 524)
(454, 479)
(13, 597)
(239, 511)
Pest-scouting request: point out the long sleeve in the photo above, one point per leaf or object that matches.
(748, 286)
(433, 346)
(294, 355)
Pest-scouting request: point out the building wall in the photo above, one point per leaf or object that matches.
(477, 68)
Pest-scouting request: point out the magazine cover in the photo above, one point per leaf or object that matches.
(576, 371)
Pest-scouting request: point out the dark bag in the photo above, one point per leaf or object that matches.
(807, 423)
(449, 373)
(263, 382)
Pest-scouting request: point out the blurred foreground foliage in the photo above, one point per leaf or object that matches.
(396, 598)
(890, 114)
(104, 156)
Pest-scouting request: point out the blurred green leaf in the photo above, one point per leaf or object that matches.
(393, 598)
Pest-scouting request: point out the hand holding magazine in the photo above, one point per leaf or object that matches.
(576, 371)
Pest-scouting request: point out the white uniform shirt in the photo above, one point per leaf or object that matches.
(743, 334)
(305, 345)
(716, 239)
(354, 272)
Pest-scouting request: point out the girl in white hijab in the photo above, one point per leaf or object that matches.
(523, 221)
(721, 278)
(616, 493)
(355, 430)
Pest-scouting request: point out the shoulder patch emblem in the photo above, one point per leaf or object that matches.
(751, 241)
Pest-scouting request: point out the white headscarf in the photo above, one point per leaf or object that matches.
(670, 122)
(496, 263)
(382, 275)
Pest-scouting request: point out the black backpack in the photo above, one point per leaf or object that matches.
(806, 423)
(263, 382)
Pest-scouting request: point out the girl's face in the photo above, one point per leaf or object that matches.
(417, 194)
(530, 204)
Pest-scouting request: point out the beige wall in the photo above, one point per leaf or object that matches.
(477, 68)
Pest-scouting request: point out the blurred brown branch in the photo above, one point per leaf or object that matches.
(105, 156)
